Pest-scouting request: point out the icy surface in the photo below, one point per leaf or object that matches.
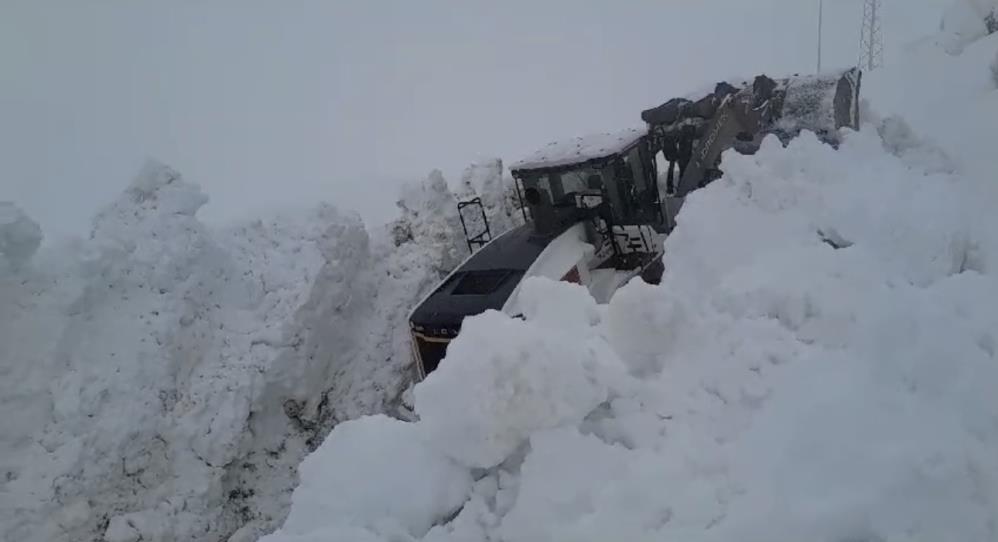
(580, 149)
(817, 363)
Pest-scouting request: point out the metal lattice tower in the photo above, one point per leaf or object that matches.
(871, 42)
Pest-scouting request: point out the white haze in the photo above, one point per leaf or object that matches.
(286, 103)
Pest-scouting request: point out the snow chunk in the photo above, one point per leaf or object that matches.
(555, 304)
(581, 149)
(482, 178)
(20, 236)
(962, 25)
(577, 487)
(645, 348)
(504, 378)
(375, 473)
(966, 21)
(429, 218)
(165, 190)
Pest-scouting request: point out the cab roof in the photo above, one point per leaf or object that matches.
(582, 149)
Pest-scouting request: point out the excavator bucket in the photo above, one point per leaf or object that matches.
(819, 103)
(694, 131)
(823, 105)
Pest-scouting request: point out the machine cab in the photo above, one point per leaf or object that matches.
(592, 216)
(607, 181)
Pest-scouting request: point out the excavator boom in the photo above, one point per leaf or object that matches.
(693, 134)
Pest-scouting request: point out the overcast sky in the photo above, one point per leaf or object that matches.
(269, 103)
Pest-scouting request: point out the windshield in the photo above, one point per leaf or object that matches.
(576, 180)
(556, 186)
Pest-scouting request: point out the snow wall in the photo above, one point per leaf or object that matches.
(818, 363)
(162, 381)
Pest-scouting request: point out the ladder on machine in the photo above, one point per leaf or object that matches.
(481, 238)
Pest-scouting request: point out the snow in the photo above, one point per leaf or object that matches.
(605, 282)
(422, 484)
(429, 214)
(156, 369)
(966, 21)
(20, 236)
(581, 149)
(169, 377)
(817, 363)
(485, 179)
(511, 388)
(554, 262)
(956, 110)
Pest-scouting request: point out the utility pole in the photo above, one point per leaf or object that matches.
(821, 12)
(871, 41)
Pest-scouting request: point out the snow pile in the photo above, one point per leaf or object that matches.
(429, 217)
(335, 481)
(484, 179)
(157, 365)
(948, 100)
(168, 378)
(509, 389)
(20, 236)
(966, 21)
(817, 364)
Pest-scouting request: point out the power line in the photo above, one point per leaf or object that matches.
(821, 12)
(871, 41)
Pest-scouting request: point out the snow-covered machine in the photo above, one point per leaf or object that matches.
(597, 210)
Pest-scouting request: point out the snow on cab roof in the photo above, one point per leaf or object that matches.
(581, 149)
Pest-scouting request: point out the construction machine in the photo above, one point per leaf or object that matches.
(597, 210)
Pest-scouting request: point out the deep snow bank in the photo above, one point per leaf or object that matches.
(800, 392)
(158, 358)
(817, 364)
(950, 100)
(167, 379)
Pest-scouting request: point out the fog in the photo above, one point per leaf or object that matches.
(281, 104)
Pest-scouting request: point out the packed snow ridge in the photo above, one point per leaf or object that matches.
(163, 380)
(818, 363)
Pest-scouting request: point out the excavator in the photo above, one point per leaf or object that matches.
(597, 210)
